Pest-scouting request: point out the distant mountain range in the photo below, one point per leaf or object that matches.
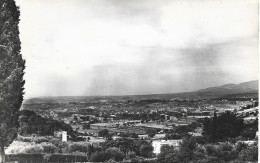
(251, 86)
(245, 89)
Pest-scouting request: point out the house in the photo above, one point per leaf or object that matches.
(61, 134)
(157, 144)
(159, 136)
(116, 137)
(64, 136)
(248, 142)
(143, 136)
(194, 134)
(58, 134)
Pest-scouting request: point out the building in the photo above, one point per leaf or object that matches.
(143, 136)
(159, 136)
(157, 144)
(64, 136)
(61, 134)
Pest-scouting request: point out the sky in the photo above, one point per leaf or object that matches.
(126, 47)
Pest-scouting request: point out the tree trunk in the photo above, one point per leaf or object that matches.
(2, 155)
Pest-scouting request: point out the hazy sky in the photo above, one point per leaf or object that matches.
(117, 47)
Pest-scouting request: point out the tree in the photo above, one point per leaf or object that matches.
(11, 73)
(187, 149)
(151, 133)
(226, 125)
(103, 133)
(84, 148)
(126, 145)
(146, 150)
(167, 154)
(115, 153)
(110, 153)
(249, 154)
(86, 126)
(32, 119)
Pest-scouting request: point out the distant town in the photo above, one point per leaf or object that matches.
(136, 125)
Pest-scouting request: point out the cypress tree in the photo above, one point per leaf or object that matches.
(11, 74)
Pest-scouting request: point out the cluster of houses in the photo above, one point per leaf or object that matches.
(168, 117)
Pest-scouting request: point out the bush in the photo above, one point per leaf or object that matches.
(42, 158)
(115, 153)
(34, 149)
(67, 158)
(146, 150)
(49, 148)
(103, 133)
(40, 139)
(249, 154)
(131, 155)
(32, 139)
(24, 139)
(240, 146)
(110, 153)
(101, 156)
(211, 159)
(76, 147)
(24, 157)
(211, 150)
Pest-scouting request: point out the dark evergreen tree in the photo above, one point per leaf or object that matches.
(11, 73)
(226, 125)
(214, 127)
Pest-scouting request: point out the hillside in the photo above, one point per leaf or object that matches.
(251, 86)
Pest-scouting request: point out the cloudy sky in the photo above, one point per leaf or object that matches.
(120, 47)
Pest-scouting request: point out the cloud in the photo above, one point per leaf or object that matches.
(89, 47)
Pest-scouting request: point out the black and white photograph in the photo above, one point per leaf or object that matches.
(129, 81)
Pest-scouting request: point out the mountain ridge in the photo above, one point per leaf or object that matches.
(250, 87)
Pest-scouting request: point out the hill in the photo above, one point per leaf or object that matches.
(251, 86)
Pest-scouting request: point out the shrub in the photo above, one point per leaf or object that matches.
(115, 153)
(40, 139)
(110, 153)
(240, 146)
(146, 150)
(67, 158)
(61, 146)
(34, 149)
(49, 148)
(24, 157)
(131, 155)
(101, 156)
(211, 159)
(32, 139)
(249, 154)
(78, 147)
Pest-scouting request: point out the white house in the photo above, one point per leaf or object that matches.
(157, 144)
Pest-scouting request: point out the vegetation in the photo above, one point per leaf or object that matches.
(128, 145)
(190, 151)
(31, 123)
(103, 133)
(226, 126)
(110, 153)
(11, 73)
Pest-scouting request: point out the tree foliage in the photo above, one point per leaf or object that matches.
(249, 154)
(110, 153)
(11, 72)
(146, 150)
(103, 133)
(226, 125)
(32, 123)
